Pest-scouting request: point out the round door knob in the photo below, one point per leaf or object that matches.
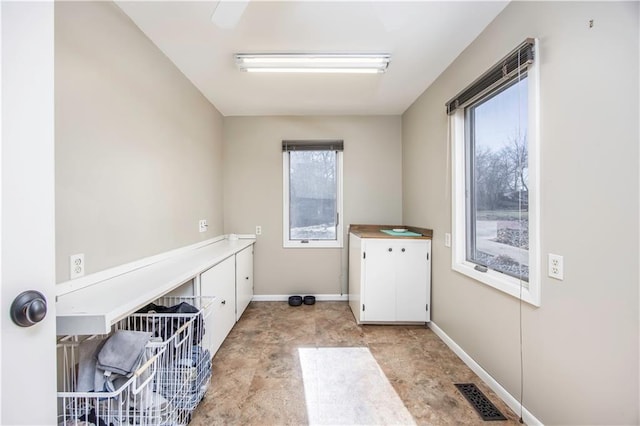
(29, 308)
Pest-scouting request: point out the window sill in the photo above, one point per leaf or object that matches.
(499, 281)
(312, 244)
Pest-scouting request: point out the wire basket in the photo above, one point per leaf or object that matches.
(185, 367)
(165, 389)
(133, 402)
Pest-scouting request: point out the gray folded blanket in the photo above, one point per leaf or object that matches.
(123, 352)
(87, 364)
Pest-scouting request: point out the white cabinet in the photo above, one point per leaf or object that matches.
(92, 304)
(220, 281)
(389, 279)
(244, 280)
(231, 283)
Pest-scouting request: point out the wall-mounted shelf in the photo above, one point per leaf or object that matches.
(94, 308)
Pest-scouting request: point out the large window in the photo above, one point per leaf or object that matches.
(312, 175)
(497, 172)
(495, 203)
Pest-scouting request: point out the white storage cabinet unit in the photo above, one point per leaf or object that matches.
(94, 305)
(389, 277)
(231, 282)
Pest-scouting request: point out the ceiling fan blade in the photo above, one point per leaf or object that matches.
(228, 13)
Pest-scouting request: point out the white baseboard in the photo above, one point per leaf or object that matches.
(285, 297)
(509, 399)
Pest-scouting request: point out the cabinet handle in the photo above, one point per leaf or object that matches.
(403, 250)
(224, 302)
(246, 278)
(390, 249)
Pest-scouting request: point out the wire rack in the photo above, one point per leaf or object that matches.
(185, 368)
(165, 389)
(132, 402)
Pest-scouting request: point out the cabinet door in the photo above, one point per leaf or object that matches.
(355, 276)
(220, 282)
(378, 292)
(412, 279)
(244, 280)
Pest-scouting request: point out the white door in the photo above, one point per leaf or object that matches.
(244, 280)
(379, 292)
(220, 282)
(356, 271)
(412, 276)
(27, 259)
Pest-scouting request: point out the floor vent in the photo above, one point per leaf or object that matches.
(480, 402)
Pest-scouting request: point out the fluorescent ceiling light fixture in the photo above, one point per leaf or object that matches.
(313, 63)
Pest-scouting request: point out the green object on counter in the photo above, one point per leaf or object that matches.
(400, 234)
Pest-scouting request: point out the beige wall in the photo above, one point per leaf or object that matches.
(139, 159)
(138, 148)
(581, 346)
(253, 192)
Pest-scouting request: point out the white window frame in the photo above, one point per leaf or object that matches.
(511, 285)
(289, 243)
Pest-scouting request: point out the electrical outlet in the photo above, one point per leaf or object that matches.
(556, 266)
(76, 266)
(202, 225)
(447, 240)
(258, 230)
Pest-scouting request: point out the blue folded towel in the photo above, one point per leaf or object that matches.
(400, 234)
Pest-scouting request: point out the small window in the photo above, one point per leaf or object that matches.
(495, 179)
(312, 175)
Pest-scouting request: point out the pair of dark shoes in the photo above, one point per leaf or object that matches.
(299, 300)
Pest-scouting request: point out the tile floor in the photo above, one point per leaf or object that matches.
(283, 365)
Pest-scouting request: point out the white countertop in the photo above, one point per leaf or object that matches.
(93, 309)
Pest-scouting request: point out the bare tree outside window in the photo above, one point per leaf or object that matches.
(313, 195)
(497, 184)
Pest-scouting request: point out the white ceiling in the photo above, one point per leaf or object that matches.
(423, 38)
